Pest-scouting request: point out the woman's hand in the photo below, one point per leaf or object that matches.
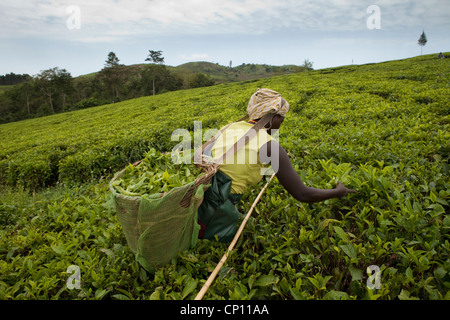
(343, 190)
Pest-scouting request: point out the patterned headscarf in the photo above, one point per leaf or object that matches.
(265, 101)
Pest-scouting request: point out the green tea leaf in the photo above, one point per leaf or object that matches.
(325, 223)
(101, 293)
(314, 282)
(355, 273)
(266, 280)
(349, 250)
(59, 249)
(120, 296)
(189, 287)
(296, 294)
(336, 295)
(341, 233)
(433, 196)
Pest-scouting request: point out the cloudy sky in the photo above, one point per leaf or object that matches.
(78, 34)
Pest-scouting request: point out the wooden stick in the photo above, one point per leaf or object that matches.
(231, 246)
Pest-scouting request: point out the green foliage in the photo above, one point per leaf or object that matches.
(202, 80)
(12, 78)
(381, 129)
(156, 173)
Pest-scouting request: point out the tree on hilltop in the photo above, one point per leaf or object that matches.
(155, 56)
(112, 60)
(422, 41)
(307, 65)
(53, 82)
(153, 71)
(112, 75)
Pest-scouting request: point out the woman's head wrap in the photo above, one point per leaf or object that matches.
(265, 101)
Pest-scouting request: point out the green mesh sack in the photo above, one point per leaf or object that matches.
(159, 226)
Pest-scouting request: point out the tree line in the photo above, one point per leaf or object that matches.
(12, 79)
(55, 90)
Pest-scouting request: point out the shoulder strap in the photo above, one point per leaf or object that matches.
(246, 137)
(209, 143)
(240, 143)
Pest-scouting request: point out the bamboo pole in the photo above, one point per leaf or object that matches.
(231, 246)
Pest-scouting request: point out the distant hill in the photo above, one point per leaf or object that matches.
(219, 73)
(132, 69)
(243, 72)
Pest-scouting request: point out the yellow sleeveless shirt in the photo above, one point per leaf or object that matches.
(245, 169)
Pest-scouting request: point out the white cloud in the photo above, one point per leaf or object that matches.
(110, 19)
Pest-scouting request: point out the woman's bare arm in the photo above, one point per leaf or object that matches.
(292, 182)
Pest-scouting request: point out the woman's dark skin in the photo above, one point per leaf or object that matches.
(289, 178)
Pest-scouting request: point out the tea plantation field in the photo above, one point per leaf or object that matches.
(382, 129)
